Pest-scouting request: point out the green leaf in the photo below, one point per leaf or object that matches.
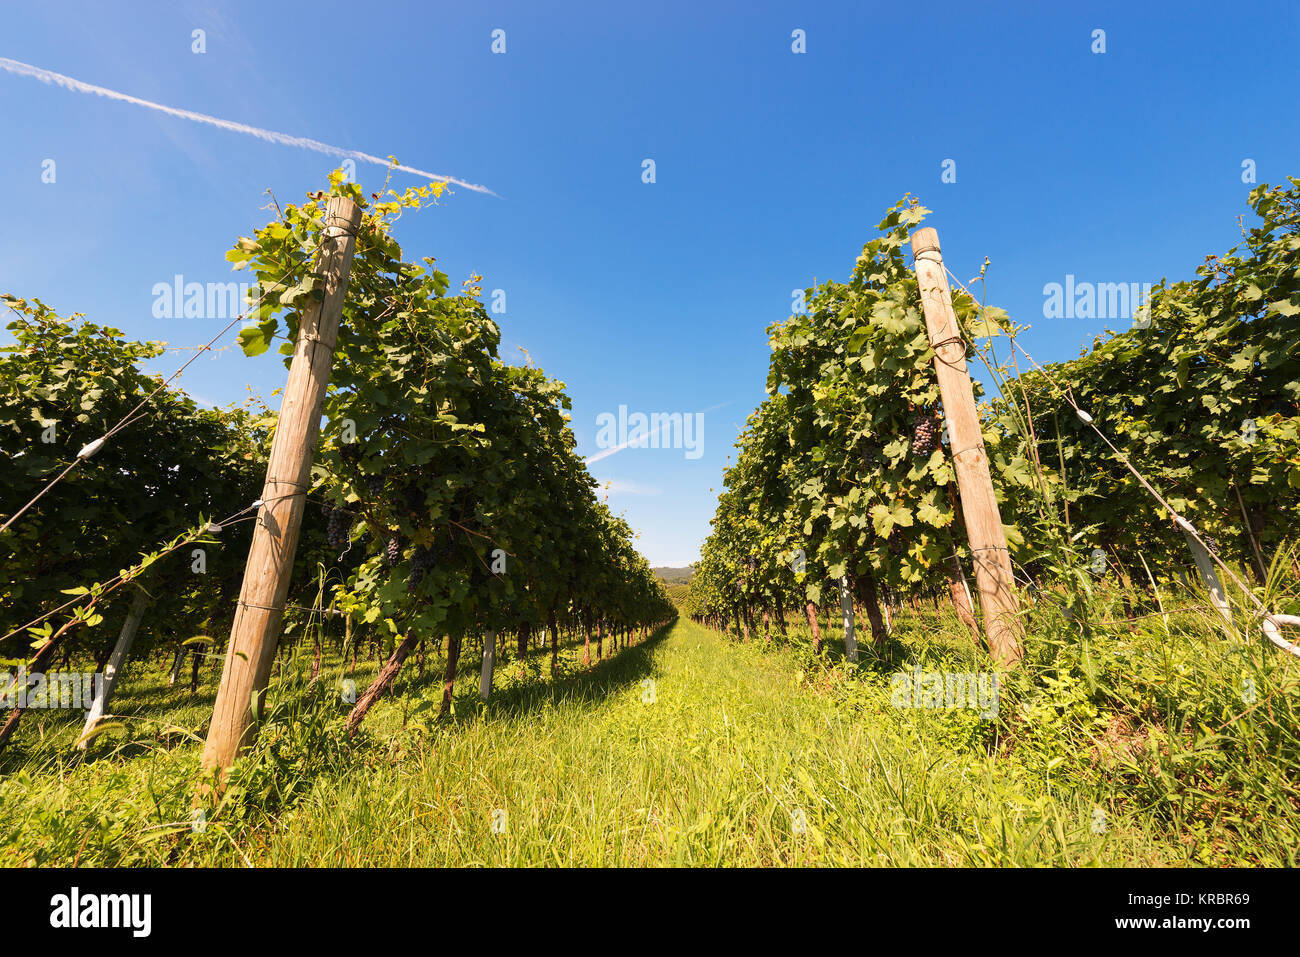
(928, 514)
(884, 518)
(988, 323)
(255, 340)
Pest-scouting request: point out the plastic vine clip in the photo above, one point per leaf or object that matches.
(90, 448)
(1084, 417)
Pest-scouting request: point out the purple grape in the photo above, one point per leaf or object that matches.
(338, 525)
(925, 434)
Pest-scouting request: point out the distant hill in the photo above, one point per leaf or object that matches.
(675, 576)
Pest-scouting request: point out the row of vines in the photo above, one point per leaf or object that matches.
(447, 500)
(844, 479)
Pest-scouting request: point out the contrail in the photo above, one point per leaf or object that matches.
(68, 83)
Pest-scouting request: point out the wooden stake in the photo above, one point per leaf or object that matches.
(176, 666)
(846, 609)
(259, 614)
(1210, 576)
(125, 639)
(988, 543)
(959, 593)
(555, 640)
(489, 660)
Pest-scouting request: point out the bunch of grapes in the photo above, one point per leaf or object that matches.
(413, 498)
(1212, 544)
(421, 562)
(375, 485)
(394, 551)
(925, 435)
(338, 525)
(350, 452)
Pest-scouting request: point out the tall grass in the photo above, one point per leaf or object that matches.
(1146, 753)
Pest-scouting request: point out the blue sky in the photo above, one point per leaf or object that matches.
(772, 168)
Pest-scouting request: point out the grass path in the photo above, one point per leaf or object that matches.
(687, 749)
(720, 768)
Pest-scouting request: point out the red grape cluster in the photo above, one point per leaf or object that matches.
(925, 435)
(337, 526)
(421, 562)
(413, 498)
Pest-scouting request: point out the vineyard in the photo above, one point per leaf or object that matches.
(395, 623)
(154, 501)
(1144, 498)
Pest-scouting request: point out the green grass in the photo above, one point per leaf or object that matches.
(738, 739)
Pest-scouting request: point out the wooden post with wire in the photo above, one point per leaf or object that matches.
(259, 614)
(979, 506)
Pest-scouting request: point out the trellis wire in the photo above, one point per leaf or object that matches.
(119, 580)
(131, 418)
(1183, 523)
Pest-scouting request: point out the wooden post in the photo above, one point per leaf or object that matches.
(959, 594)
(555, 640)
(259, 614)
(176, 666)
(125, 638)
(988, 543)
(489, 660)
(846, 609)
